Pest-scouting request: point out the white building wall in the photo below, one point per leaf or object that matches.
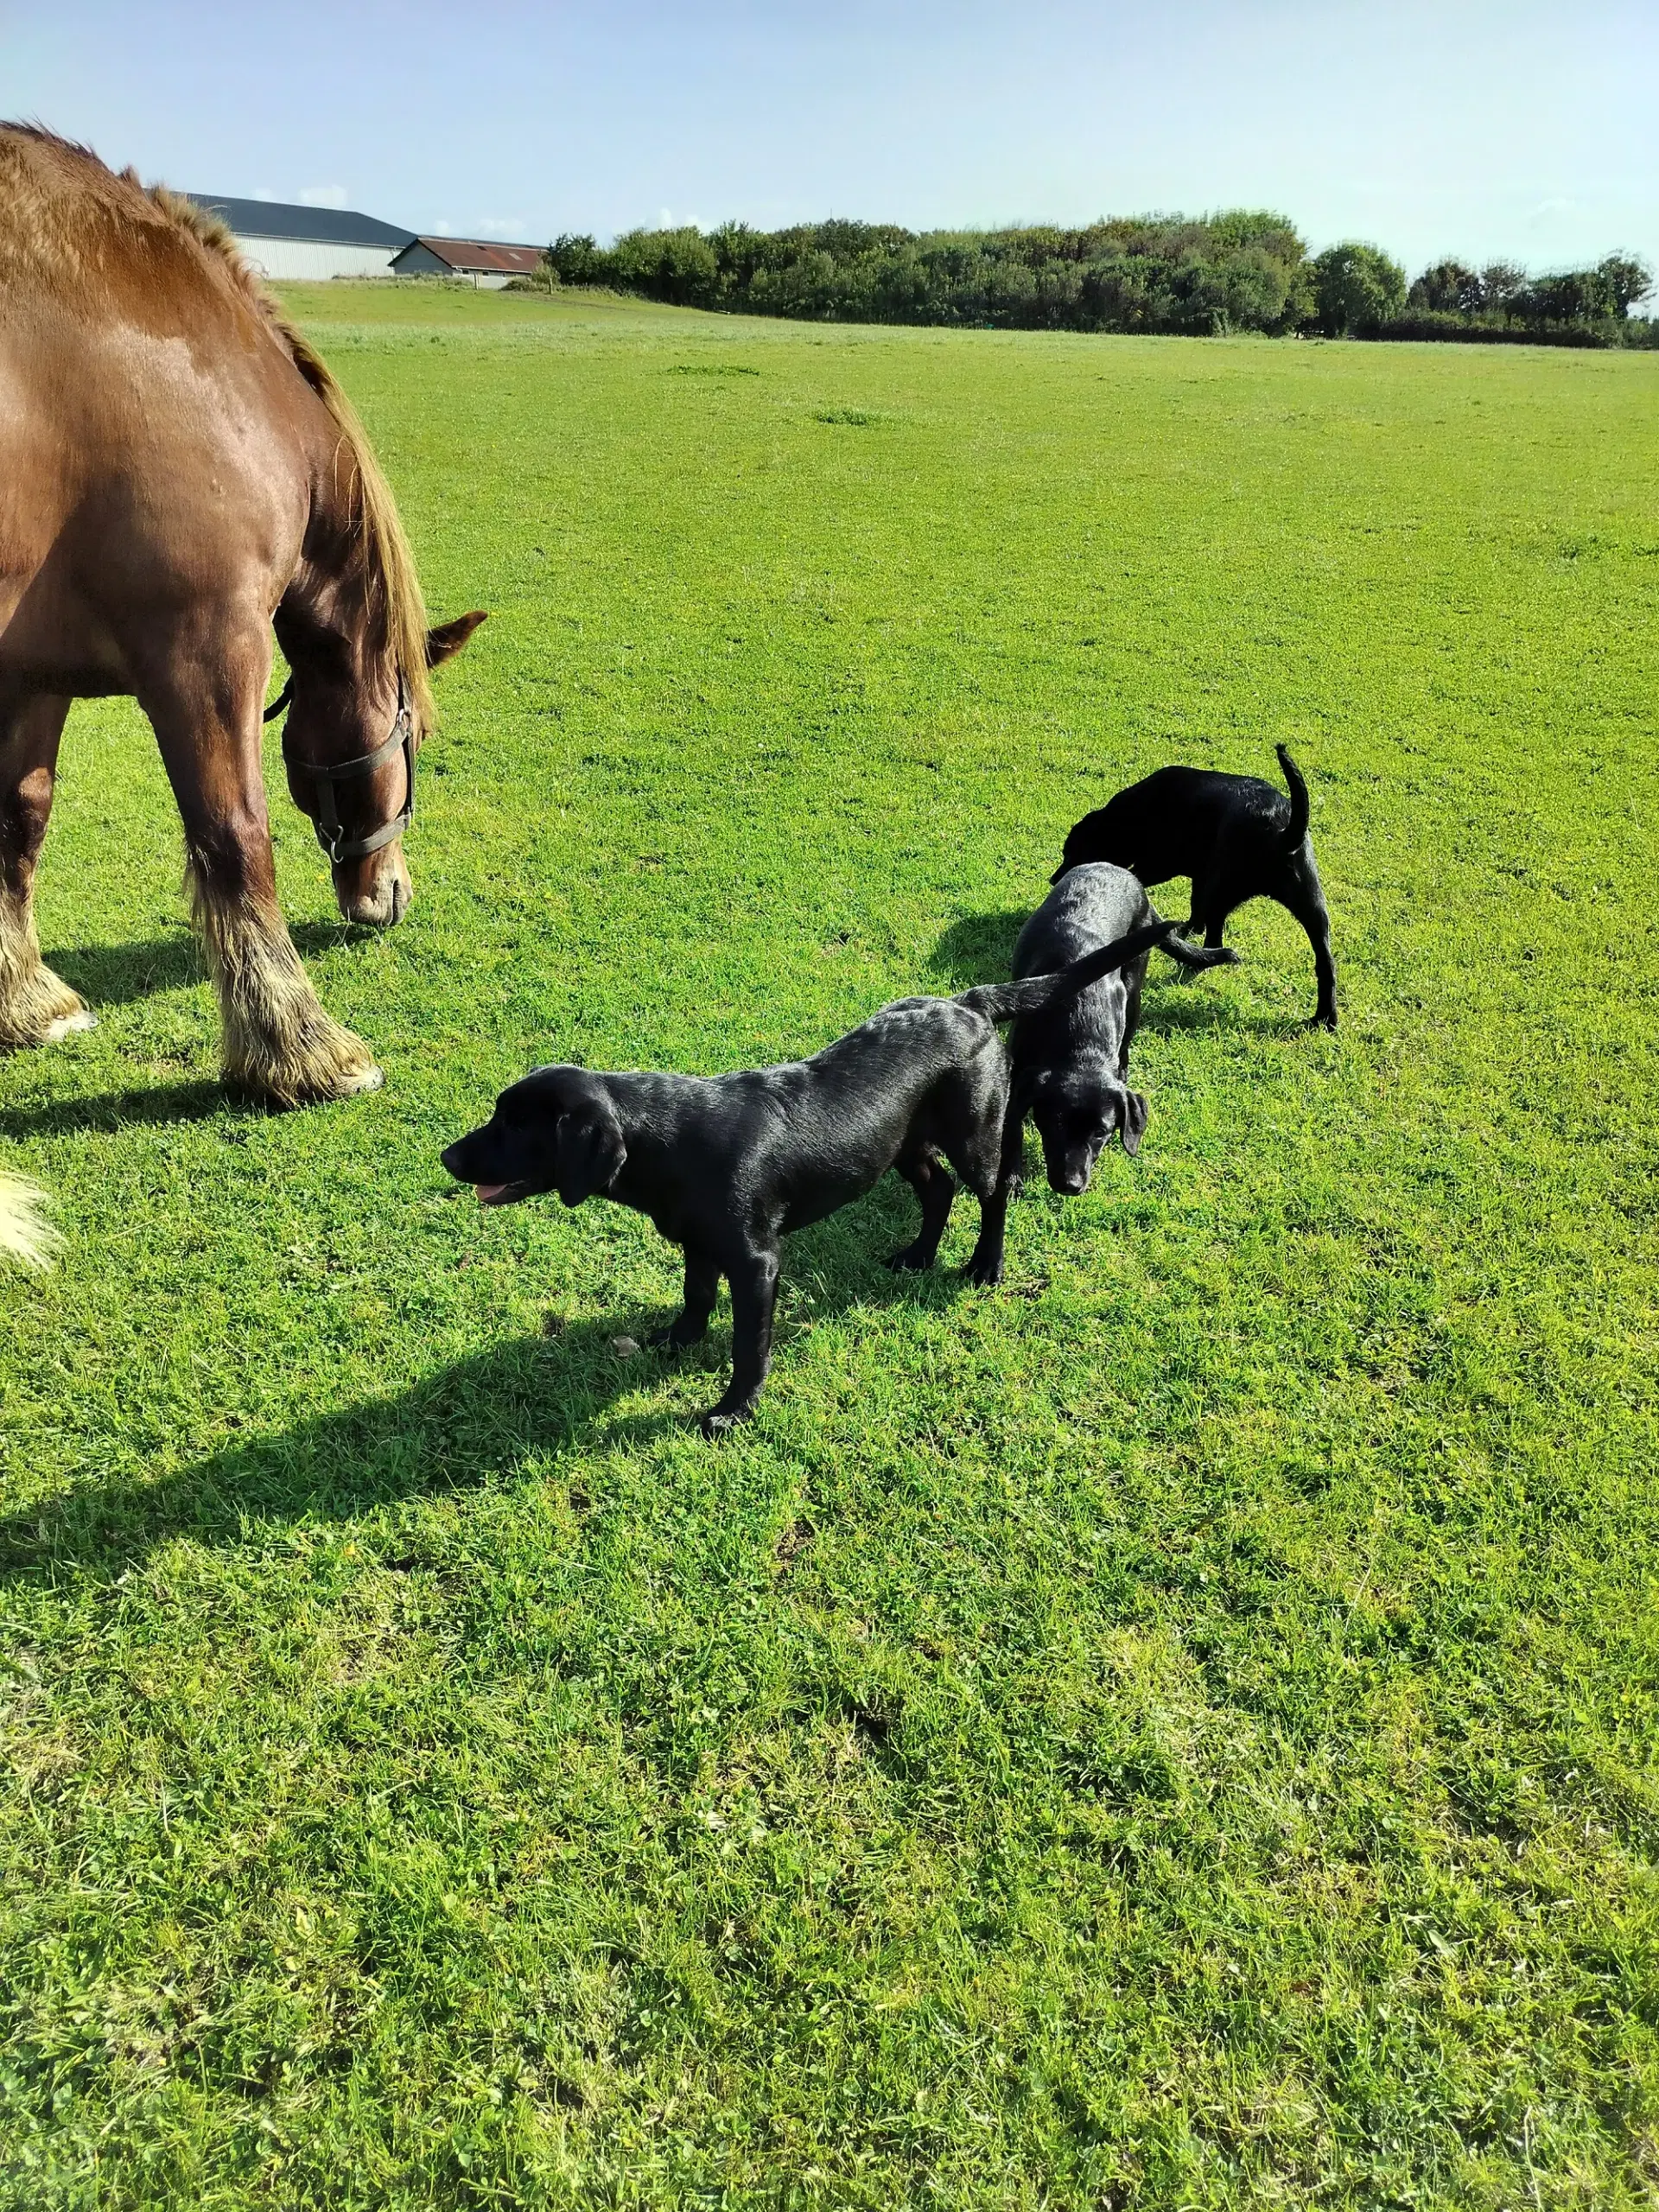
(301, 260)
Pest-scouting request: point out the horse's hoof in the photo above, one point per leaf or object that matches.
(69, 1025)
(318, 1091)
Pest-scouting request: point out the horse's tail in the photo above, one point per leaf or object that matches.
(1298, 809)
(26, 1235)
(1003, 1001)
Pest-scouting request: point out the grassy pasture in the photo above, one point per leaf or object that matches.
(1177, 1732)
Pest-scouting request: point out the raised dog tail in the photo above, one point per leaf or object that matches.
(1299, 807)
(25, 1233)
(1003, 1001)
(1199, 955)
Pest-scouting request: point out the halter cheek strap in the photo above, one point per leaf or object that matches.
(326, 821)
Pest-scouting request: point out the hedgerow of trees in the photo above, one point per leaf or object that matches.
(1242, 270)
(1245, 269)
(1502, 297)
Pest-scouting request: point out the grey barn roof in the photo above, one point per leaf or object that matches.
(278, 219)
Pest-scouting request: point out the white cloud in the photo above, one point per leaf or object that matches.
(323, 196)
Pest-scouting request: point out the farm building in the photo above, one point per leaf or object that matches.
(490, 265)
(283, 241)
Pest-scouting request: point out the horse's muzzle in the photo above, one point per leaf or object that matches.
(375, 890)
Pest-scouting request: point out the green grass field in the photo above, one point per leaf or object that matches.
(1177, 1732)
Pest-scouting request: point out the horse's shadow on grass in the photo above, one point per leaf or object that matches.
(155, 1103)
(120, 974)
(979, 949)
(467, 1423)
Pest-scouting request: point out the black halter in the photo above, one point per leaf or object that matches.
(326, 821)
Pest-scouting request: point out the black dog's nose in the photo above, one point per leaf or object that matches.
(448, 1156)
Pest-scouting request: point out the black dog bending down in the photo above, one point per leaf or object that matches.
(727, 1165)
(1071, 1058)
(1235, 835)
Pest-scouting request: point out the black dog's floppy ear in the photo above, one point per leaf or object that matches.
(591, 1150)
(1132, 1119)
(1027, 1087)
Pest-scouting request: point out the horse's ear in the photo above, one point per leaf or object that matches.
(446, 640)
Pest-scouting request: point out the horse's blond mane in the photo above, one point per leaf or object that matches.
(28, 196)
(386, 553)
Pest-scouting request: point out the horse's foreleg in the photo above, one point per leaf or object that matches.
(37, 1007)
(277, 1039)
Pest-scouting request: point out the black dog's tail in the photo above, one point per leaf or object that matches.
(1002, 1001)
(1198, 956)
(1298, 810)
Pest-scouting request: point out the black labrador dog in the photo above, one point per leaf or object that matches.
(726, 1166)
(1235, 835)
(1071, 1058)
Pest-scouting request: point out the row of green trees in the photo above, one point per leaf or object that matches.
(1504, 296)
(1242, 269)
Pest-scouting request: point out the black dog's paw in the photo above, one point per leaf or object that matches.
(911, 1260)
(720, 1420)
(673, 1338)
(1324, 1020)
(984, 1270)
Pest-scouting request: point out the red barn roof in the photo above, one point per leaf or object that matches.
(485, 256)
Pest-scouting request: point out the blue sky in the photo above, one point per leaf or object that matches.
(1528, 129)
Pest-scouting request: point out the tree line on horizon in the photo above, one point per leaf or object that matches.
(1241, 270)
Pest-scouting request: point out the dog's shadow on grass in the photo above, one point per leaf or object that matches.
(452, 1430)
(977, 949)
(470, 1422)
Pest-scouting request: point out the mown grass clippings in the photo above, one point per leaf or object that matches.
(1177, 1732)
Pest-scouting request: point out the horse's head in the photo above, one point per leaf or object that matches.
(349, 745)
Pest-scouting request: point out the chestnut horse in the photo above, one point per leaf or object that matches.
(179, 475)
